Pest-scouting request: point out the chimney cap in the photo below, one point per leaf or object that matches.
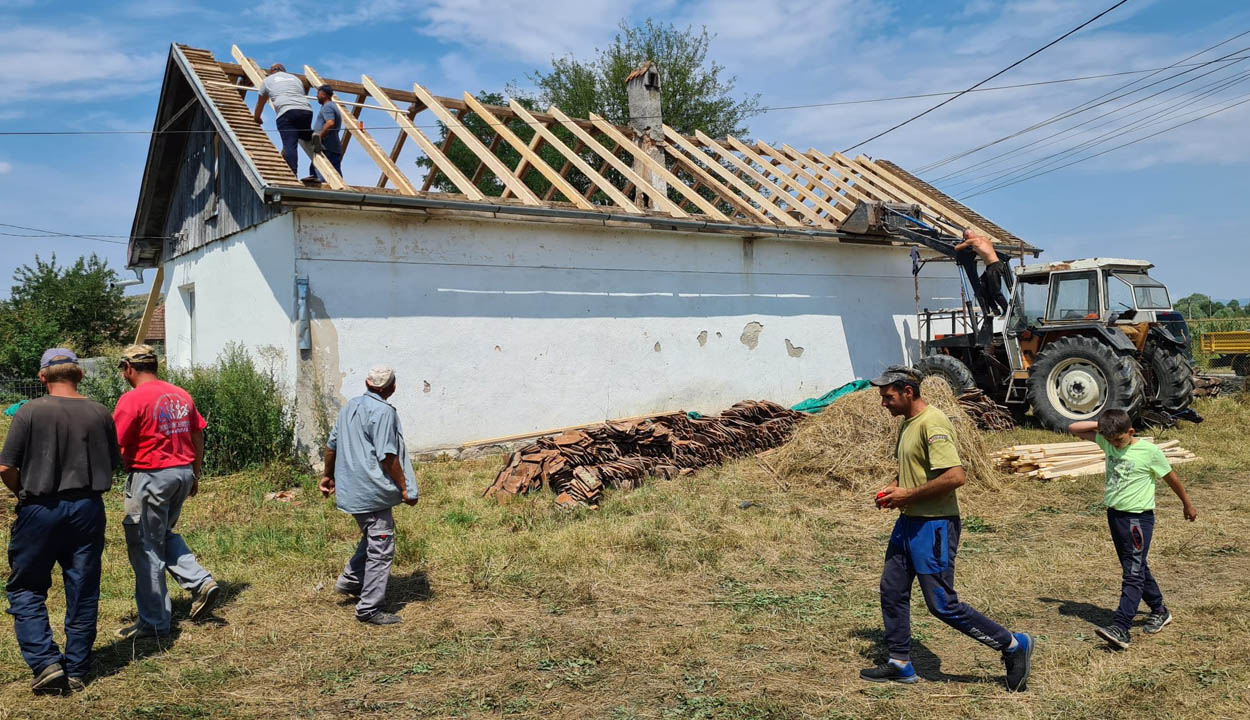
(640, 71)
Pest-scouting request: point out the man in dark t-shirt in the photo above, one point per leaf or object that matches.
(58, 459)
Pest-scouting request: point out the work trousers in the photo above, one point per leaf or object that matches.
(153, 502)
(924, 549)
(47, 532)
(293, 126)
(1131, 533)
(332, 148)
(992, 281)
(369, 569)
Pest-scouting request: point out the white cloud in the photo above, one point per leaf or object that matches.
(519, 30)
(5, 167)
(74, 64)
(277, 20)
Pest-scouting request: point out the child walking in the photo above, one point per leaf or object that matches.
(1133, 467)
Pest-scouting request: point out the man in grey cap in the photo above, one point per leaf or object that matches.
(294, 115)
(58, 459)
(925, 539)
(326, 129)
(367, 467)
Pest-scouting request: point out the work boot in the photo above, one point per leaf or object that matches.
(49, 681)
(138, 631)
(205, 599)
(890, 672)
(1114, 636)
(76, 684)
(381, 618)
(1019, 662)
(348, 589)
(1156, 621)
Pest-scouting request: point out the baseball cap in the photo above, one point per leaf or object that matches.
(57, 356)
(898, 373)
(381, 376)
(139, 354)
(326, 89)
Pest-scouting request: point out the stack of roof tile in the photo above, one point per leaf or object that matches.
(579, 464)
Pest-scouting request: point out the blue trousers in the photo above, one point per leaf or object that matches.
(1131, 534)
(924, 549)
(49, 532)
(293, 126)
(332, 146)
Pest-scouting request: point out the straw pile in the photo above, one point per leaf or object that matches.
(851, 443)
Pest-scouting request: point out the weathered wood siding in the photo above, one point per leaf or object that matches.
(202, 210)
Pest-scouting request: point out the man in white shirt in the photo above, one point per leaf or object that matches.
(294, 121)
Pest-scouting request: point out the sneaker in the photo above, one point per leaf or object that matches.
(1157, 621)
(1114, 636)
(1019, 663)
(889, 672)
(205, 599)
(137, 631)
(343, 588)
(381, 618)
(76, 684)
(49, 681)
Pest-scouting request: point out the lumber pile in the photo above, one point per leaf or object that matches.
(1048, 461)
(987, 414)
(577, 465)
(1207, 386)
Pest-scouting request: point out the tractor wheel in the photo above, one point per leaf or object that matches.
(1173, 377)
(949, 368)
(1077, 377)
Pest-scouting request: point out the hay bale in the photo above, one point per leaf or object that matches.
(851, 443)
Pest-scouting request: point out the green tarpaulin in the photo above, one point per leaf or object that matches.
(815, 405)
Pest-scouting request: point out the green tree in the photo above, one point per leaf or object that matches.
(77, 306)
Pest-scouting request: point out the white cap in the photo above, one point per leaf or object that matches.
(381, 376)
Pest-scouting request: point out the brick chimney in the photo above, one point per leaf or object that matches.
(646, 119)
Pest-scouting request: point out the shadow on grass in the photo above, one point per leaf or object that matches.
(400, 591)
(928, 665)
(1088, 612)
(228, 592)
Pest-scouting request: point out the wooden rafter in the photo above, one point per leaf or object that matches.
(828, 174)
(356, 110)
(573, 158)
(785, 179)
(741, 186)
(445, 148)
(480, 170)
(399, 143)
(928, 200)
(745, 166)
(475, 145)
(431, 150)
(866, 178)
(658, 168)
(257, 76)
(718, 188)
(366, 140)
(619, 165)
(814, 183)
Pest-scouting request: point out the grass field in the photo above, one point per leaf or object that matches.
(676, 601)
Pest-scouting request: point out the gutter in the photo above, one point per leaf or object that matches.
(279, 194)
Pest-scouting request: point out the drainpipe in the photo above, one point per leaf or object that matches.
(304, 331)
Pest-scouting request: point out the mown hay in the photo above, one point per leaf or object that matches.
(851, 443)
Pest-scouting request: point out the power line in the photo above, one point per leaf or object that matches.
(1082, 107)
(1104, 152)
(1000, 72)
(54, 233)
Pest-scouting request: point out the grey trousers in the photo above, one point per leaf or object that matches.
(370, 567)
(153, 502)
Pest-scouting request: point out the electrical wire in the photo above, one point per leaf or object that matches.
(1000, 72)
(55, 233)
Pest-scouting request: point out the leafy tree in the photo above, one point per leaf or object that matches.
(76, 306)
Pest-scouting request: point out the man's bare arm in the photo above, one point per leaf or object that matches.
(326, 486)
(950, 479)
(964, 245)
(395, 471)
(1085, 429)
(11, 477)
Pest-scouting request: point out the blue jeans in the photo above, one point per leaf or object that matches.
(924, 549)
(1131, 533)
(333, 148)
(48, 532)
(154, 500)
(293, 126)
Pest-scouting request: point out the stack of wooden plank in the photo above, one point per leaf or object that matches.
(987, 414)
(1047, 461)
(577, 465)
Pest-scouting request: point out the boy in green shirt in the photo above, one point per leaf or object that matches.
(1133, 466)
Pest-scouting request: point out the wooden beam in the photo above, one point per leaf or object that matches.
(746, 167)
(370, 145)
(431, 150)
(399, 143)
(814, 182)
(609, 159)
(523, 167)
(738, 184)
(357, 108)
(154, 296)
(928, 200)
(481, 166)
(445, 148)
(866, 179)
(256, 76)
(471, 141)
(828, 174)
(658, 168)
(691, 163)
(785, 179)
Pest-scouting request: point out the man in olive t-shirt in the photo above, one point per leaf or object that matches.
(926, 536)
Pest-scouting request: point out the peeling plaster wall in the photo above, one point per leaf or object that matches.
(497, 328)
(244, 292)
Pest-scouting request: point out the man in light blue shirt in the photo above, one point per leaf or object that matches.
(367, 467)
(326, 126)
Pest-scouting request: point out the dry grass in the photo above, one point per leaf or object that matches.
(675, 602)
(851, 443)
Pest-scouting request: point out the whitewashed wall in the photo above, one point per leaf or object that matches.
(498, 328)
(244, 293)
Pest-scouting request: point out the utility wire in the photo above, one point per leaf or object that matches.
(1113, 149)
(1000, 72)
(1087, 104)
(54, 233)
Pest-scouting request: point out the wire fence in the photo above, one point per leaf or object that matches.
(17, 389)
(1200, 326)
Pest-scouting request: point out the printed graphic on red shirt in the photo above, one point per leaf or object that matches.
(154, 425)
(172, 414)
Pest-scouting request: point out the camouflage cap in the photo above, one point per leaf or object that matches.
(898, 373)
(139, 354)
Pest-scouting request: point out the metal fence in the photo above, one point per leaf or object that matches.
(15, 389)
(1199, 326)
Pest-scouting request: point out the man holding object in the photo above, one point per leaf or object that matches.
(367, 467)
(926, 537)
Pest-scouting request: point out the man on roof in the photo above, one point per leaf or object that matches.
(996, 272)
(294, 121)
(326, 130)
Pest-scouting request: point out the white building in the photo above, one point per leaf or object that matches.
(587, 294)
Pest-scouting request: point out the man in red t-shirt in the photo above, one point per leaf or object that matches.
(161, 436)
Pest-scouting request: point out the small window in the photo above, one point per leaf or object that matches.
(187, 336)
(1119, 295)
(1073, 296)
(1030, 303)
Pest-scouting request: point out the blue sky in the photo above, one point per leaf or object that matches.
(1177, 199)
